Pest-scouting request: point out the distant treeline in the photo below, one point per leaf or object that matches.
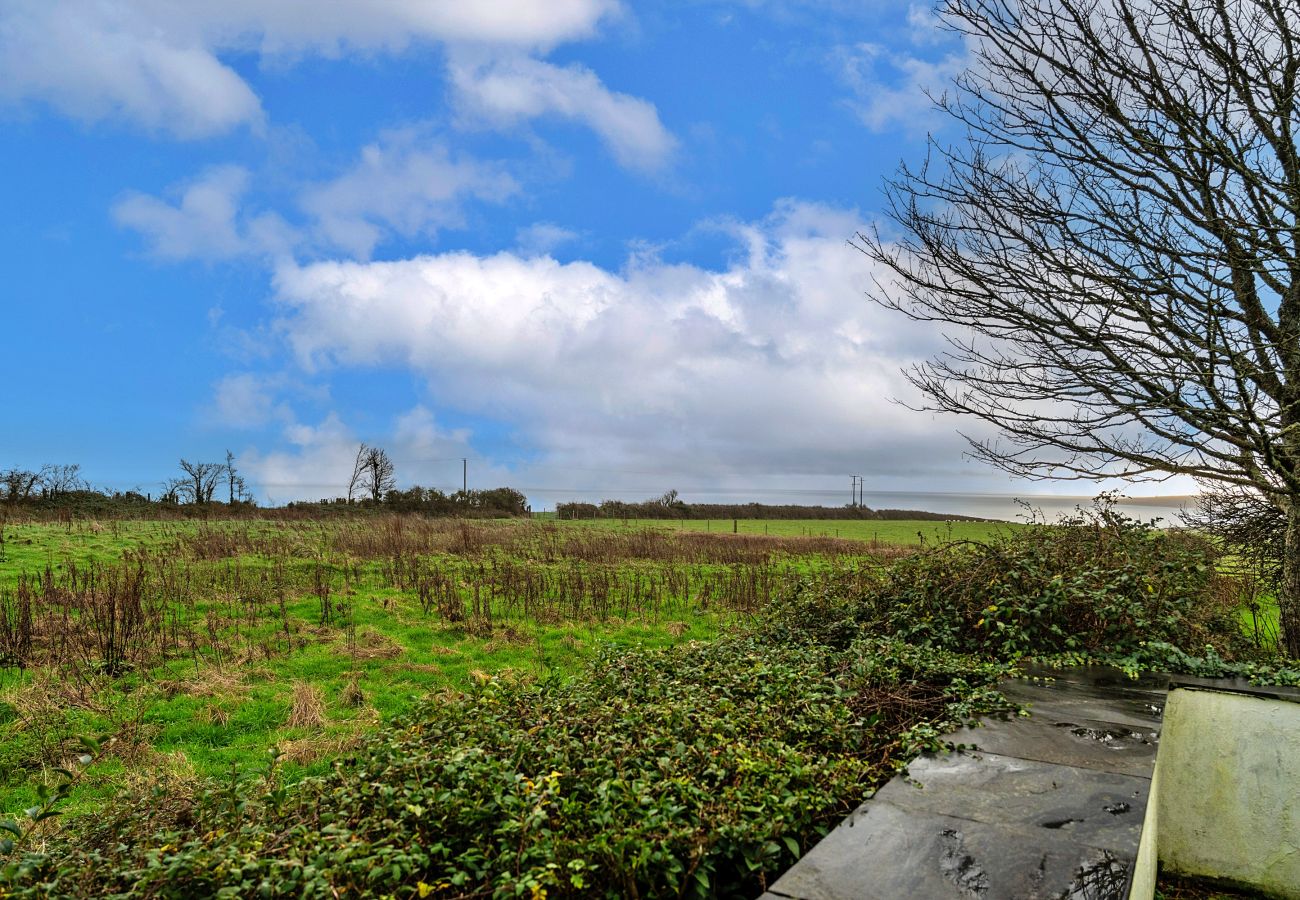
(669, 507)
(84, 502)
(218, 490)
(487, 503)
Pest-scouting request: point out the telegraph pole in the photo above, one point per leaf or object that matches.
(464, 475)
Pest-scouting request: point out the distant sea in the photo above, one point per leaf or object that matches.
(1004, 506)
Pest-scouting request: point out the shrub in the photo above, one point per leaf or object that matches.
(1099, 584)
(696, 771)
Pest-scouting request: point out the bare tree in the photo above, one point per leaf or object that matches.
(373, 473)
(1116, 244)
(379, 473)
(358, 472)
(17, 485)
(57, 480)
(1253, 529)
(235, 483)
(199, 482)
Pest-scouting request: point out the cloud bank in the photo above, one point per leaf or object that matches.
(164, 65)
(773, 364)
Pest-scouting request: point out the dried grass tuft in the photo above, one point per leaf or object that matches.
(215, 714)
(308, 709)
(352, 695)
(371, 644)
(310, 749)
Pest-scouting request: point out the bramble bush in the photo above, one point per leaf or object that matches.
(698, 771)
(1100, 584)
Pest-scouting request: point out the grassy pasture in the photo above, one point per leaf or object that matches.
(306, 635)
(903, 532)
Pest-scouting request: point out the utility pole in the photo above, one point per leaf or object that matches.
(464, 475)
(854, 483)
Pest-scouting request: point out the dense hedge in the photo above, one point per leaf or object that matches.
(701, 771)
(1105, 584)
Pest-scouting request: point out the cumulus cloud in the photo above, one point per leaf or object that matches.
(505, 91)
(157, 63)
(775, 363)
(96, 61)
(316, 463)
(204, 220)
(406, 183)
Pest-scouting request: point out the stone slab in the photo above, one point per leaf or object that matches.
(1102, 677)
(1101, 809)
(887, 853)
(1068, 741)
(1138, 709)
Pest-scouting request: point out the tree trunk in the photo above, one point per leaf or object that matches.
(1289, 596)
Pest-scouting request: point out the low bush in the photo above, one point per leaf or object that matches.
(698, 771)
(1100, 584)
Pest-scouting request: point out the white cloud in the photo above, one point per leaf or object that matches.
(892, 90)
(205, 221)
(246, 400)
(542, 238)
(924, 25)
(774, 363)
(406, 183)
(200, 224)
(157, 63)
(97, 60)
(318, 463)
(503, 91)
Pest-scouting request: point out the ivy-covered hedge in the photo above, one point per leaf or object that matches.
(1098, 585)
(700, 771)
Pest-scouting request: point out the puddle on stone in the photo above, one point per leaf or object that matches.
(1114, 738)
(959, 867)
(1102, 878)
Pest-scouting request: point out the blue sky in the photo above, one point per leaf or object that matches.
(597, 248)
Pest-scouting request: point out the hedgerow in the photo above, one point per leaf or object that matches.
(699, 771)
(1101, 584)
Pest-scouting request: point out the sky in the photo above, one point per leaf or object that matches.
(597, 249)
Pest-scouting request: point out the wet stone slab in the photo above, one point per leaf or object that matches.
(888, 853)
(1096, 808)
(1075, 741)
(1140, 710)
(1102, 678)
(1049, 805)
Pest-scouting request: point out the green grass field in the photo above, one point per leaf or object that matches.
(240, 655)
(306, 635)
(903, 532)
